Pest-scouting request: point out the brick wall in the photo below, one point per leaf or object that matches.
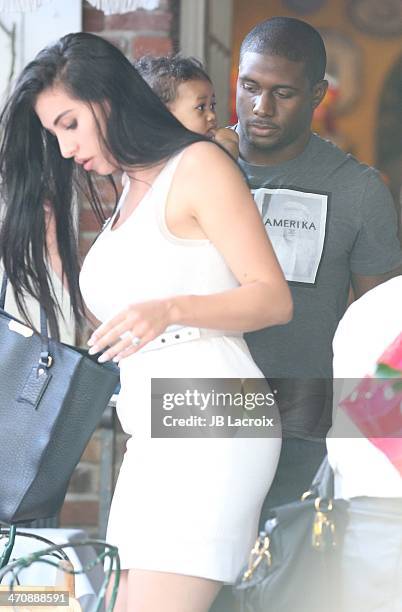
(136, 33)
(81, 507)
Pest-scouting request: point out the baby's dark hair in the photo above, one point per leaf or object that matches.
(164, 74)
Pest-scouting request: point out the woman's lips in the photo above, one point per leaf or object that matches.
(85, 163)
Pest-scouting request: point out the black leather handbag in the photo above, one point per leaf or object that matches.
(294, 564)
(51, 398)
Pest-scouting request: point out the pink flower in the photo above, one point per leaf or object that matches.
(392, 357)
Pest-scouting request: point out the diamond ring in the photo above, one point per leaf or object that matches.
(135, 340)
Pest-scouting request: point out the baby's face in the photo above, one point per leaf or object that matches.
(194, 106)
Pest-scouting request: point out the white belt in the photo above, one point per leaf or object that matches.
(185, 334)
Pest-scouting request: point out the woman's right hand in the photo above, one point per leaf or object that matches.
(131, 329)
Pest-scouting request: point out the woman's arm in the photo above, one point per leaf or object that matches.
(210, 199)
(212, 190)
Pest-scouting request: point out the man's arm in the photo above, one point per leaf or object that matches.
(376, 255)
(362, 284)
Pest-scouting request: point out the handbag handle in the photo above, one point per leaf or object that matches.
(45, 358)
(3, 291)
(323, 482)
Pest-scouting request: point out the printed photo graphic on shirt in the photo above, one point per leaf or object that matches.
(295, 222)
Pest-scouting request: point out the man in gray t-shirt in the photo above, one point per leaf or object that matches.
(331, 221)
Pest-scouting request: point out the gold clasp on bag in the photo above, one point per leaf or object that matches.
(259, 552)
(45, 362)
(323, 533)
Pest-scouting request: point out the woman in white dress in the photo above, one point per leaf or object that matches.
(182, 268)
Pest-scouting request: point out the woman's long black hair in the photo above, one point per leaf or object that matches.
(139, 131)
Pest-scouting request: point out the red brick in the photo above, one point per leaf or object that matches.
(88, 221)
(139, 20)
(86, 242)
(121, 444)
(118, 41)
(93, 20)
(84, 479)
(79, 513)
(92, 453)
(106, 190)
(106, 207)
(152, 45)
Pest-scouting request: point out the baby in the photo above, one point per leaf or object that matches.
(186, 89)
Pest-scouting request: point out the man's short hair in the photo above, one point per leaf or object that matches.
(164, 74)
(291, 38)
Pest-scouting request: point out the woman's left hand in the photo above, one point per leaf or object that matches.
(130, 330)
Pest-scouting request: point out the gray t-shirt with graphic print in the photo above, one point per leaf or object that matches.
(327, 216)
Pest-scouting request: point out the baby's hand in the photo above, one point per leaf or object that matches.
(229, 139)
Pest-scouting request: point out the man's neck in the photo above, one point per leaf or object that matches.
(271, 157)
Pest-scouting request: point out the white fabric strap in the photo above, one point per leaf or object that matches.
(185, 334)
(21, 6)
(109, 7)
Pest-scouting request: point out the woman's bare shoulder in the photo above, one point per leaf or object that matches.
(207, 158)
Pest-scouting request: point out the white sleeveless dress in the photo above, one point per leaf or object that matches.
(187, 506)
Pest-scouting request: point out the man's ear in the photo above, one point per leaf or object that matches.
(319, 91)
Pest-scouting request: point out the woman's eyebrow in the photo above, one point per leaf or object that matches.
(56, 121)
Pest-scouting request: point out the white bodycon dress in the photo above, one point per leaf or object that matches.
(188, 506)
